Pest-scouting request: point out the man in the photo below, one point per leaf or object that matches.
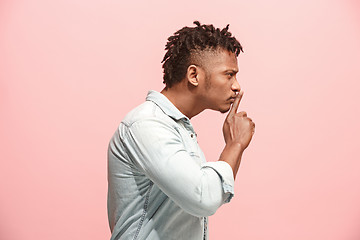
(160, 185)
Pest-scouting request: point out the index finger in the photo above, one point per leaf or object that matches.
(236, 103)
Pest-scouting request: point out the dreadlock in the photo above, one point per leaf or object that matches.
(186, 41)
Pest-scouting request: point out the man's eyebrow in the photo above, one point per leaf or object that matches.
(231, 70)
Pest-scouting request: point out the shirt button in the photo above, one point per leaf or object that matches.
(192, 135)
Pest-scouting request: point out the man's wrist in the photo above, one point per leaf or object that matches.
(232, 154)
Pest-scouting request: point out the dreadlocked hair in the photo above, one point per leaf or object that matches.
(185, 41)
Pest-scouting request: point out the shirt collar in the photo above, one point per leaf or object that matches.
(165, 105)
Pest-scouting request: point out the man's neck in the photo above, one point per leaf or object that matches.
(183, 99)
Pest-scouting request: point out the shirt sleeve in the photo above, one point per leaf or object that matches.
(224, 170)
(156, 148)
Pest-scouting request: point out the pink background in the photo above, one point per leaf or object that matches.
(71, 70)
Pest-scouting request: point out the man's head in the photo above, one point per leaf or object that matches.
(190, 45)
(203, 60)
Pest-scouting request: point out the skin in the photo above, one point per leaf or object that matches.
(212, 84)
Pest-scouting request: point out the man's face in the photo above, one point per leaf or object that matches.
(220, 86)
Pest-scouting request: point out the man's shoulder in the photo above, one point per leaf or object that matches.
(145, 111)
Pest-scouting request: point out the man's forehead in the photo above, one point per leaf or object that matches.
(222, 59)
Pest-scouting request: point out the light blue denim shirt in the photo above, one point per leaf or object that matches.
(159, 183)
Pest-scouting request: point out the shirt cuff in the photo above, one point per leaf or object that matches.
(224, 170)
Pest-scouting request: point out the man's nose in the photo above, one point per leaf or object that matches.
(235, 86)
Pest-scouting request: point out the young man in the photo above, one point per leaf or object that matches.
(160, 185)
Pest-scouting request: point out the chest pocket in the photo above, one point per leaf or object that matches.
(190, 143)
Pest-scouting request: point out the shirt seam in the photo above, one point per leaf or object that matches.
(174, 114)
(156, 118)
(144, 211)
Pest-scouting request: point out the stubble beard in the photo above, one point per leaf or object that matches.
(224, 111)
(208, 86)
(207, 80)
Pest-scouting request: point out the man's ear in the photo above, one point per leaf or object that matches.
(192, 75)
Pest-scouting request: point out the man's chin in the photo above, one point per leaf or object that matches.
(224, 110)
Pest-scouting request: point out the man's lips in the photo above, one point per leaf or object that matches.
(232, 99)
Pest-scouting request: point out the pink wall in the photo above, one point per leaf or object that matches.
(70, 71)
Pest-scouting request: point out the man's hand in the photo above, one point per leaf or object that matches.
(238, 128)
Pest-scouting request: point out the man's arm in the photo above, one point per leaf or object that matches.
(157, 150)
(238, 130)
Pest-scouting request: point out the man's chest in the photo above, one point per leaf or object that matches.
(189, 140)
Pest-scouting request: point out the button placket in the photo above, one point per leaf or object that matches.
(191, 136)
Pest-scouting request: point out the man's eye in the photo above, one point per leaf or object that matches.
(230, 74)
